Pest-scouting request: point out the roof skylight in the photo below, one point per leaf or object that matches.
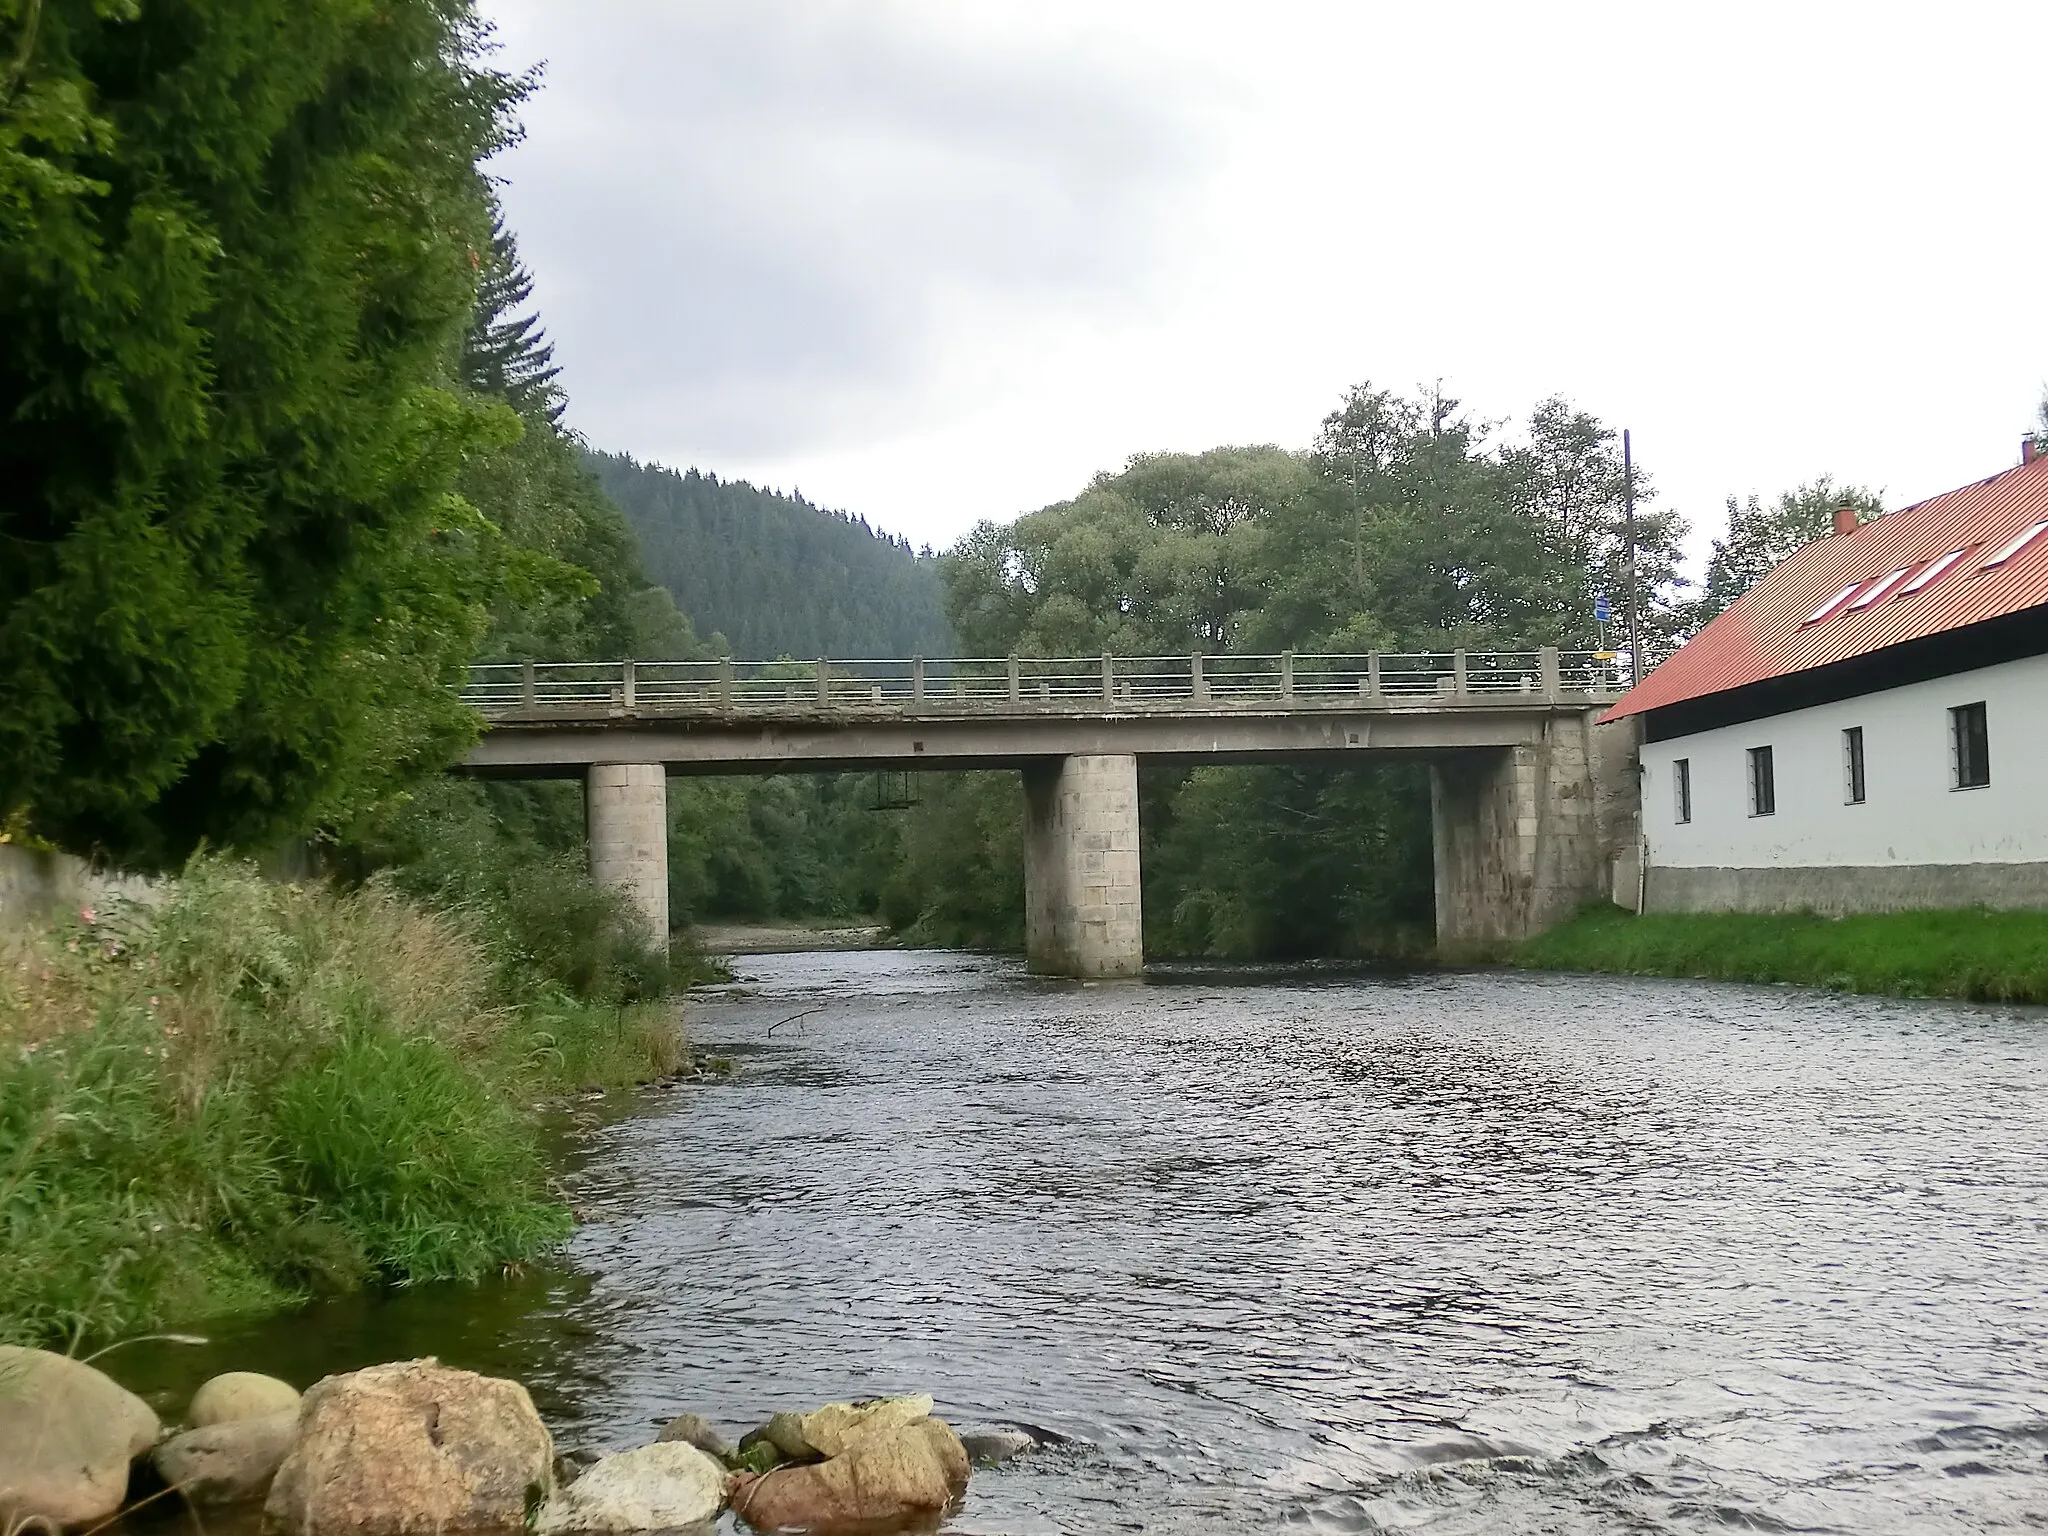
(1833, 603)
(2014, 545)
(1932, 574)
(1878, 589)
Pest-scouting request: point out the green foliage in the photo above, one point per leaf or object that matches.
(1976, 954)
(507, 355)
(1761, 537)
(960, 882)
(256, 1089)
(1404, 527)
(507, 860)
(772, 574)
(783, 847)
(1168, 557)
(1287, 862)
(236, 245)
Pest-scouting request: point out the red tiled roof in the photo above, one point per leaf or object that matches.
(1770, 631)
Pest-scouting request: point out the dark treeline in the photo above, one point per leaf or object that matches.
(772, 575)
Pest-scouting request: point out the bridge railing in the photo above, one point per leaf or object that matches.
(1074, 683)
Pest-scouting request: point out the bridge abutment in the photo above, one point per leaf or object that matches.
(1526, 835)
(626, 810)
(1082, 911)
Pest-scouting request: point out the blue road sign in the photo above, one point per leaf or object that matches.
(1601, 612)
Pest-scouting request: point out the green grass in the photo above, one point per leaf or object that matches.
(256, 1091)
(1979, 955)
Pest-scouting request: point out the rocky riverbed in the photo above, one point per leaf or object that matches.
(415, 1447)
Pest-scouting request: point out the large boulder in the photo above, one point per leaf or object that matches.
(228, 1463)
(412, 1449)
(68, 1434)
(241, 1395)
(890, 1465)
(837, 1427)
(658, 1487)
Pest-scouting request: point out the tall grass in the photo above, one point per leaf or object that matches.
(1976, 954)
(254, 1090)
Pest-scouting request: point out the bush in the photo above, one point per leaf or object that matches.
(253, 1090)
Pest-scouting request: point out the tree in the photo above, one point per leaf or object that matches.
(506, 353)
(238, 247)
(1761, 537)
(772, 573)
(1167, 557)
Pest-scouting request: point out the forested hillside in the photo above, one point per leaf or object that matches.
(773, 574)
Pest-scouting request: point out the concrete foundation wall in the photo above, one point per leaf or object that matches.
(1525, 835)
(34, 887)
(1838, 890)
(1082, 910)
(626, 805)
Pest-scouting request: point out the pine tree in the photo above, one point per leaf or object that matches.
(506, 352)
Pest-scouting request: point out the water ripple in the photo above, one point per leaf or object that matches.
(1453, 1253)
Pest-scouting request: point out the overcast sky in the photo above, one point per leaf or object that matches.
(939, 260)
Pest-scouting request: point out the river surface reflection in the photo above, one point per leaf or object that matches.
(1455, 1252)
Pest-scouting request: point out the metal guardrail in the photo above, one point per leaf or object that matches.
(1073, 685)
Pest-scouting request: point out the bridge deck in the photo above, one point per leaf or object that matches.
(723, 716)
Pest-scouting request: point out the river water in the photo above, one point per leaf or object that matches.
(1452, 1252)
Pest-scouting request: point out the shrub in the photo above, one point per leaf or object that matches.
(253, 1089)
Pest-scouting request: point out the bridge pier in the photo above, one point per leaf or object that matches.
(626, 812)
(1526, 835)
(1082, 912)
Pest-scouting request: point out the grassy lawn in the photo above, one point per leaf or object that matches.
(1976, 954)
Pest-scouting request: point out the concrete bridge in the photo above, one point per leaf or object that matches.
(1533, 806)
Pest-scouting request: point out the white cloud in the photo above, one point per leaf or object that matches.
(935, 261)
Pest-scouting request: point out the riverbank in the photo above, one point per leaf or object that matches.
(789, 938)
(249, 1092)
(1975, 955)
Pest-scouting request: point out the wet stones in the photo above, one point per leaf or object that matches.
(993, 1447)
(230, 1462)
(412, 1449)
(68, 1435)
(658, 1487)
(241, 1395)
(868, 1465)
(694, 1429)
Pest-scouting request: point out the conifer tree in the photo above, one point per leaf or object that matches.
(239, 242)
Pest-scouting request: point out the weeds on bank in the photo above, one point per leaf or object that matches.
(1973, 954)
(254, 1090)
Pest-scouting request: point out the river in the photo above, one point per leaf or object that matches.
(1319, 1251)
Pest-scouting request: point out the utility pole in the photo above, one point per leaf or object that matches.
(1628, 502)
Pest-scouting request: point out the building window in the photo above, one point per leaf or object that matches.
(1852, 765)
(1763, 785)
(1681, 787)
(1969, 747)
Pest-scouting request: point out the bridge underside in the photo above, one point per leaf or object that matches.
(534, 748)
(1532, 807)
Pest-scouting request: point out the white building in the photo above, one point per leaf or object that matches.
(1867, 729)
